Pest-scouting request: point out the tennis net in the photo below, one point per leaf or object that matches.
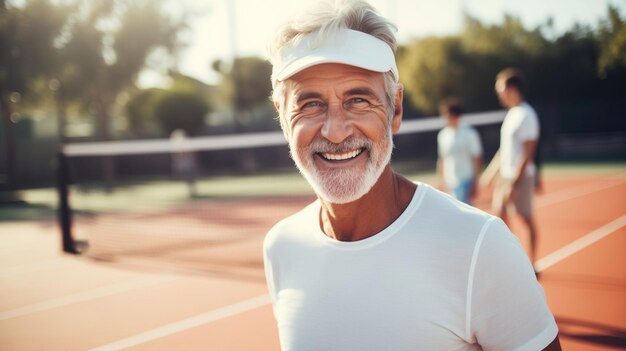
(177, 198)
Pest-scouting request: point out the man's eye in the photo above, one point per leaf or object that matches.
(311, 104)
(358, 102)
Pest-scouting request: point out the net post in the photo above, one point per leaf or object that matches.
(64, 214)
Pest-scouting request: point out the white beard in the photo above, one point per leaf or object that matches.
(341, 186)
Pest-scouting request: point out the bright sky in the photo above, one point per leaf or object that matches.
(211, 36)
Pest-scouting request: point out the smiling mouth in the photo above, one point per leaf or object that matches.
(341, 156)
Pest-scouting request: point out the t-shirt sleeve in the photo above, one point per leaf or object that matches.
(269, 271)
(529, 127)
(475, 148)
(508, 309)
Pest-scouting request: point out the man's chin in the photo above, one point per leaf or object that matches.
(340, 199)
(337, 193)
(341, 192)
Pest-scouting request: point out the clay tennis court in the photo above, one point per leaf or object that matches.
(213, 297)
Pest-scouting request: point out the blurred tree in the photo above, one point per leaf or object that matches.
(576, 79)
(612, 40)
(490, 48)
(140, 111)
(431, 69)
(181, 109)
(106, 46)
(510, 40)
(141, 107)
(563, 67)
(27, 55)
(246, 84)
(252, 82)
(466, 65)
(566, 69)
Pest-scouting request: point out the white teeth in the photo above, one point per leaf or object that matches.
(340, 157)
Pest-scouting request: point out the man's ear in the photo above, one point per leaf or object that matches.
(397, 112)
(281, 120)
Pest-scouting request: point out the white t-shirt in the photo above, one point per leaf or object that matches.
(520, 125)
(443, 276)
(457, 148)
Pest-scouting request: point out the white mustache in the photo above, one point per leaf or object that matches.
(323, 145)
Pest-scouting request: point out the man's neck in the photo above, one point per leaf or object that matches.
(517, 102)
(454, 123)
(370, 214)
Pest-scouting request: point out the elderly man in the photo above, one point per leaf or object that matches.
(379, 262)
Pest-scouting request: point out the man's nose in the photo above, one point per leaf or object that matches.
(337, 126)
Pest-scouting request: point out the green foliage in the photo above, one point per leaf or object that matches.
(245, 89)
(566, 70)
(465, 65)
(180, 109)
(142, 105)
(143, 28)
(612, 39)
(557, 67)
(252, 81)
(89, 51)
(27, 36)
(430, 69)
(107, 45)
(245, 85)
(510, 40)
(140, 110)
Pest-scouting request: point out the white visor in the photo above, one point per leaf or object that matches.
(346, 46)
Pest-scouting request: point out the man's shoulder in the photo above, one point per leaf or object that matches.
(523, 110)
(443, 131)
(443, 208)
(446, 226)
(528, 111)
(292, 225)
(461, 226)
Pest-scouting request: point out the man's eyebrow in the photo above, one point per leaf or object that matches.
(307, 96)
(361, 91)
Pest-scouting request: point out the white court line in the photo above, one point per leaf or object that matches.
(195, 321)
(84, 296)
(580, 243)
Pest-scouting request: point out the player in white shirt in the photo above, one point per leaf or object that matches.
(460, 153)
(379, 262)
(514, 161)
